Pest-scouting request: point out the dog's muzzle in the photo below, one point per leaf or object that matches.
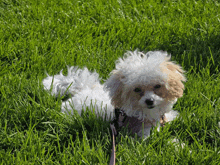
(150, 103)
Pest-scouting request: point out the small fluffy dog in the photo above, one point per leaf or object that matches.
(144, 85)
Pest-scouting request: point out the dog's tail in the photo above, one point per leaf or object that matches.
(75, 80)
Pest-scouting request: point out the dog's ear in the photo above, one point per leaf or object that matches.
(115, 86)
(175, 80)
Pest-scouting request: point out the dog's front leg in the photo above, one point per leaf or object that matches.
(146, 130)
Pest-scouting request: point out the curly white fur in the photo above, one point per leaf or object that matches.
(85, 89)
(143, 85)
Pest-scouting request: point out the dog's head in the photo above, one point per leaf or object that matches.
(143, 82)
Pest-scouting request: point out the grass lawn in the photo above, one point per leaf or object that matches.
(39, 36)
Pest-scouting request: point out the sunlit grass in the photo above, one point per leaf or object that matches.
(46, 36)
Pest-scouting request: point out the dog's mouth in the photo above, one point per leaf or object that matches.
(150, 106)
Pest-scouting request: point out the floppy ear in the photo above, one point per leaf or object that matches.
(114, 85)
(175, 80)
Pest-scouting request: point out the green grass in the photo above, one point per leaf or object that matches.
(39, 36)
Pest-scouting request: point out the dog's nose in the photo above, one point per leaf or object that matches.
(149, 102)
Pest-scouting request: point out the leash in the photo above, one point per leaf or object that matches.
(116, 123)
(112, 159)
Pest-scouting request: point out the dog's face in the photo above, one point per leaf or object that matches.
(149, 96)
(143, 82)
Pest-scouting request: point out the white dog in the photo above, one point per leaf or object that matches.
(144, 86)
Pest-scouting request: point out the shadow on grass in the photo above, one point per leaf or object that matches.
(194, 52)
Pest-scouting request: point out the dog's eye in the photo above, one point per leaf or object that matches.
(137, 90)
(157, 86)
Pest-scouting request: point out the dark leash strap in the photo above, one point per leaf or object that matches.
(112, 159)
(120, 117)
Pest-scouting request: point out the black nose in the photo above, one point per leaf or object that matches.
(149, 101)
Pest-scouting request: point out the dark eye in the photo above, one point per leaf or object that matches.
(137, 90)
(157, 86)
